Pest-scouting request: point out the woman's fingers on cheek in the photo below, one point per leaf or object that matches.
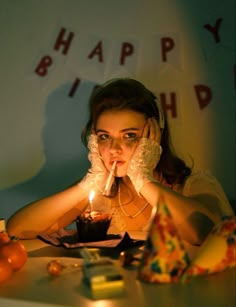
(145, 130)
(157, 130)
(152, 129)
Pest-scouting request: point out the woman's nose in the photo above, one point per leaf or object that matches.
(115, 145)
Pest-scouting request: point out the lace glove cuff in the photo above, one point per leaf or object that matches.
(97, 174)
(143, 162)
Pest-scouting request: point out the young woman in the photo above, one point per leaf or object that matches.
(127, 126)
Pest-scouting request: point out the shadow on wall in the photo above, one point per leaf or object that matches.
(65, 155)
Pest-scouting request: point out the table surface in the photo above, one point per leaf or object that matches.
(32, 286)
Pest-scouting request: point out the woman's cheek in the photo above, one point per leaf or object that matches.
(102, 149)
(105, 157)
(132, 149)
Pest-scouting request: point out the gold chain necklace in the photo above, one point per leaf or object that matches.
(123, 210)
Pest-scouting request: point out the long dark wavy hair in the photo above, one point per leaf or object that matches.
(127, 93)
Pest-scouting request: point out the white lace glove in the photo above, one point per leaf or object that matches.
(143, 162)
(95, 179)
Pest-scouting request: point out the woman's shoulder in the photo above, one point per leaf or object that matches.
(202, 182)
(198, 180)
(199, 175)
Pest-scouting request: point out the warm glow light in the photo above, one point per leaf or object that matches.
(91, 196)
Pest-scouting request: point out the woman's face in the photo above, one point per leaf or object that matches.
(118, 136)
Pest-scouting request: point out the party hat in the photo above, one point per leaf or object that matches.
(218, 251)
(164, 258)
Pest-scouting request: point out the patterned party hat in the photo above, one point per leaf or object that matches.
(218, 252)
(164, 258)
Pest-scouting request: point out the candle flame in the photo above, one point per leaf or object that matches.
(91, 196)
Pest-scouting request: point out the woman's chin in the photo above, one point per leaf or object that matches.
(121, 174)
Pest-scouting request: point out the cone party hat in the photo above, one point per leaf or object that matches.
(164, 258)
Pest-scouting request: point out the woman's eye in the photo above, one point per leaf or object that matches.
(130, 136)
(103, 137)
(126, 138)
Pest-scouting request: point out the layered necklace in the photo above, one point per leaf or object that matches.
(123, 210)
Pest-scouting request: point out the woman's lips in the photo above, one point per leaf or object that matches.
(120, 169)
(118, 163)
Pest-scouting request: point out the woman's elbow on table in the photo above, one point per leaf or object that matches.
(19, 231)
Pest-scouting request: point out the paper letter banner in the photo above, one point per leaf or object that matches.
(123, 59)
(89, 56)
(167, 50)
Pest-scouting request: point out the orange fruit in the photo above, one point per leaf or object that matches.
(15, 252)
(6, 270)
(4, 238)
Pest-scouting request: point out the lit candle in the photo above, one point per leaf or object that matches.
(91, 197)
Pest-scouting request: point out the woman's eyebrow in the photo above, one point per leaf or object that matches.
(101, 130)
(131, 128)
(123, 130)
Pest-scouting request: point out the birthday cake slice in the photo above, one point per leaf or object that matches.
(92, 226)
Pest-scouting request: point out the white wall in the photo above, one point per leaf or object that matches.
(40, 124)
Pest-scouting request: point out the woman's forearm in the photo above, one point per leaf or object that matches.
(45, 214)
(192, 217)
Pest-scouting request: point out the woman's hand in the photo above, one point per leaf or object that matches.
(152, 131)
(97, 174)
(146, 155)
